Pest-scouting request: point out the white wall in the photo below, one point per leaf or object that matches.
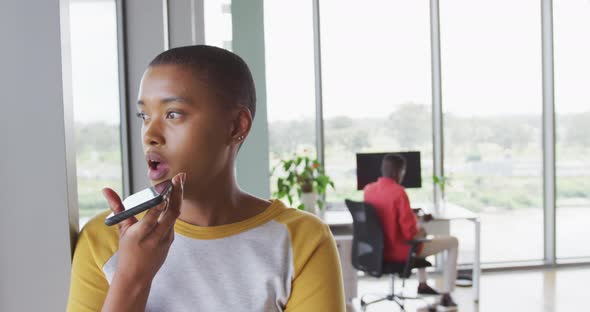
(34, 230)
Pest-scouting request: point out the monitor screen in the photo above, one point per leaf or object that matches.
(368, 169)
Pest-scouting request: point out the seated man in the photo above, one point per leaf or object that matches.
(400, 224)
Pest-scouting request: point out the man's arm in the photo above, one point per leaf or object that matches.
(406, 218)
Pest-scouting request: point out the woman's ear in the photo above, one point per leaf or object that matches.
(241, 124)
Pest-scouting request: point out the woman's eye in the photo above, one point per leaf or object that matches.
(172, 115)
(142, 116)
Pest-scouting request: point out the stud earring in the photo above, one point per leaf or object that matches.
(241, 137)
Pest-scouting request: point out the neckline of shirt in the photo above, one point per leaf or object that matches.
(226, 230)
(387, 179)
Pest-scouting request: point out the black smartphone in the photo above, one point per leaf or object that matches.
(141, 201)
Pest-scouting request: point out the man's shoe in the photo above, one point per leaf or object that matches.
(447, 304)
(424, 289)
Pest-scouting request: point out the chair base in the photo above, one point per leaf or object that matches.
(394, 298)
(398, 299)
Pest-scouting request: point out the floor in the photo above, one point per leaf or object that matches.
(543, 290)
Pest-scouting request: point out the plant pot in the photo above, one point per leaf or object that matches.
(309, 201)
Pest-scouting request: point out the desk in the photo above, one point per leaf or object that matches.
(340, 222)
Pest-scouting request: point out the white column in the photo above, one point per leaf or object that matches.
(186, 22)
(317, 66)
(548, 131)
(145, 36)
(437, 115)
(248, 42)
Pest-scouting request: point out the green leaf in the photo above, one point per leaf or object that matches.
(323, 181)
(292, 174)
(320, 203)
(280, 183)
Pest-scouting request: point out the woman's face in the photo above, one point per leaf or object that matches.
(185, 128)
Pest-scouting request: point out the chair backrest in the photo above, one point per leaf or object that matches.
(367, 242)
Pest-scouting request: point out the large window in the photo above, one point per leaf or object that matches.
(376, 87)
(289, 80)
(376, 91)
(95, 83)
(572, 105)
(492, 103)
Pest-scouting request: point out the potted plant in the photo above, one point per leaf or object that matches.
(305, 178)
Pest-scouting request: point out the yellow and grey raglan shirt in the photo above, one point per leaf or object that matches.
(280, 260)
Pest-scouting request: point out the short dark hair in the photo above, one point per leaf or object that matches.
(226, 72)
(392, 164)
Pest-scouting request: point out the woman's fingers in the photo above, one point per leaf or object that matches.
(173, 210)
(116, 207)
(150, 219)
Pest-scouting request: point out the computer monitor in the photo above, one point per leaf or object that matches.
(368, 169)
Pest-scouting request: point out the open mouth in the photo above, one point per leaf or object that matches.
(157, 166)
(153, 164)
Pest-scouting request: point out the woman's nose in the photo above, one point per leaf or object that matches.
(152, 134)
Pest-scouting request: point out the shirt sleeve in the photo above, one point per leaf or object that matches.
(88, 284)
(317, 284)
(406, 218)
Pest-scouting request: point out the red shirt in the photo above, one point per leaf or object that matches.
(398, 221)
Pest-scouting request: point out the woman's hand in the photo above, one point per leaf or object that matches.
(143, 247)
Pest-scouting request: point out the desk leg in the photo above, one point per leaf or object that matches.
(476, 261)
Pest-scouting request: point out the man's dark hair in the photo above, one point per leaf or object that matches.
(226, 73)
(392, 164)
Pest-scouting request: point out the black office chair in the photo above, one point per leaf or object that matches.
(367, 251)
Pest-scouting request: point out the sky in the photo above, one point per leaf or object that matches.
(374, 57)
(377, 56)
